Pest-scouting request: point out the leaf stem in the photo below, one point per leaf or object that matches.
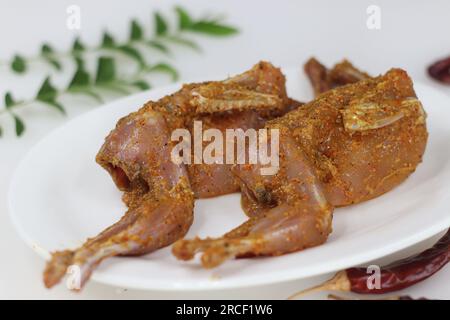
(85, 83)
(176, 37)
(118, 85)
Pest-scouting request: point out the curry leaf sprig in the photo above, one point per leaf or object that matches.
(82, 83)
(162, 36)
(106, 75)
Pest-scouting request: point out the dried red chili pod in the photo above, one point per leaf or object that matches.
(440, 70)
(396, 276)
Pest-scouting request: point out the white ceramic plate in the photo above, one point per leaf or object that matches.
(59, 196)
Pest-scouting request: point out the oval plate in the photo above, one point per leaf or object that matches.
(59, 196)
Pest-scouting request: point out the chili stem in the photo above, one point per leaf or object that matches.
(339, 282)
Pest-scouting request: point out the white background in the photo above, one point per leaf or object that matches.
(412, 34)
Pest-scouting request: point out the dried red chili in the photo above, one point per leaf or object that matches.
(396, 276)
(440, 70)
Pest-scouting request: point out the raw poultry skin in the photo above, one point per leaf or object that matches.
(245, 101)
(159, 193)
(348, 145)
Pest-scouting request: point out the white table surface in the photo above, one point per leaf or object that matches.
(412, 34)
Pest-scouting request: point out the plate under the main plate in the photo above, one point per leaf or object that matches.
(59, 196)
